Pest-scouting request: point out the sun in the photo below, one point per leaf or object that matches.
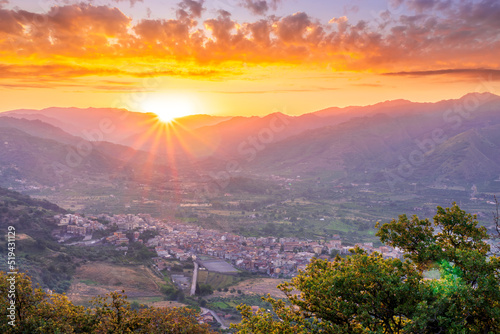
(168, 108)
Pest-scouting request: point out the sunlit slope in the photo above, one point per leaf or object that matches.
(408, 146)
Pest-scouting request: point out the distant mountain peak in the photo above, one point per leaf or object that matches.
(480, 96)
(279, 114)
(396, 102)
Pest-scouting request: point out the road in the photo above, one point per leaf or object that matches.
(195, 279)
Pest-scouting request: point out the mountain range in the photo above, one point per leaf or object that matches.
(390, 143)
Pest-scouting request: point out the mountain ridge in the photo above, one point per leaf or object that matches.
(383, 137)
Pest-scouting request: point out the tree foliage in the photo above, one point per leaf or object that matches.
(365, 293)
(39, 312)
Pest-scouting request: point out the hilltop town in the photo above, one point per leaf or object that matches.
(276, 257)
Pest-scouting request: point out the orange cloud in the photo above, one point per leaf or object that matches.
(83, 39)
(55, 72)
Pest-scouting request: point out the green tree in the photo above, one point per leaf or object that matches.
(365, 293)
(334, 253)
(175, 320)
(467, 296)
(113, 314)
(38, 312)
(203, 289)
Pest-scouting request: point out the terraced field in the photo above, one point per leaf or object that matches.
(254, 286)
(217, 280)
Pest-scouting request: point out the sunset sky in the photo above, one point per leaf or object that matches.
(244, 57)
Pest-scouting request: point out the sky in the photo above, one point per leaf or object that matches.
(244, 57)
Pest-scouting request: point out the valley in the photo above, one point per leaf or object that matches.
(251, 207)
(249, 166)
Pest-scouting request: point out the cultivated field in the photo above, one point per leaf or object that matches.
(216, 280)
(95, 279)
(255, 286)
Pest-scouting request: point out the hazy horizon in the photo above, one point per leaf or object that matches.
(283, 111)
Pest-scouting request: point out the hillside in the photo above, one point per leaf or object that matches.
(34, 151)
(52, 264)
(36, 250)
(47, 161)
(362, 144)
(413, 145)
(106, 124)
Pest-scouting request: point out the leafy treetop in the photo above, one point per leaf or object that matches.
(39, 312)
(365, 293)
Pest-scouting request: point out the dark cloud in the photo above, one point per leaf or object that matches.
(132, 2)
(261, 32)
(291, 29)
(260, 7)
(483, 13)
(191, 8)
(221, 27)
(9, 24)
(422, 5)
(162, 31)
(475, 72)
